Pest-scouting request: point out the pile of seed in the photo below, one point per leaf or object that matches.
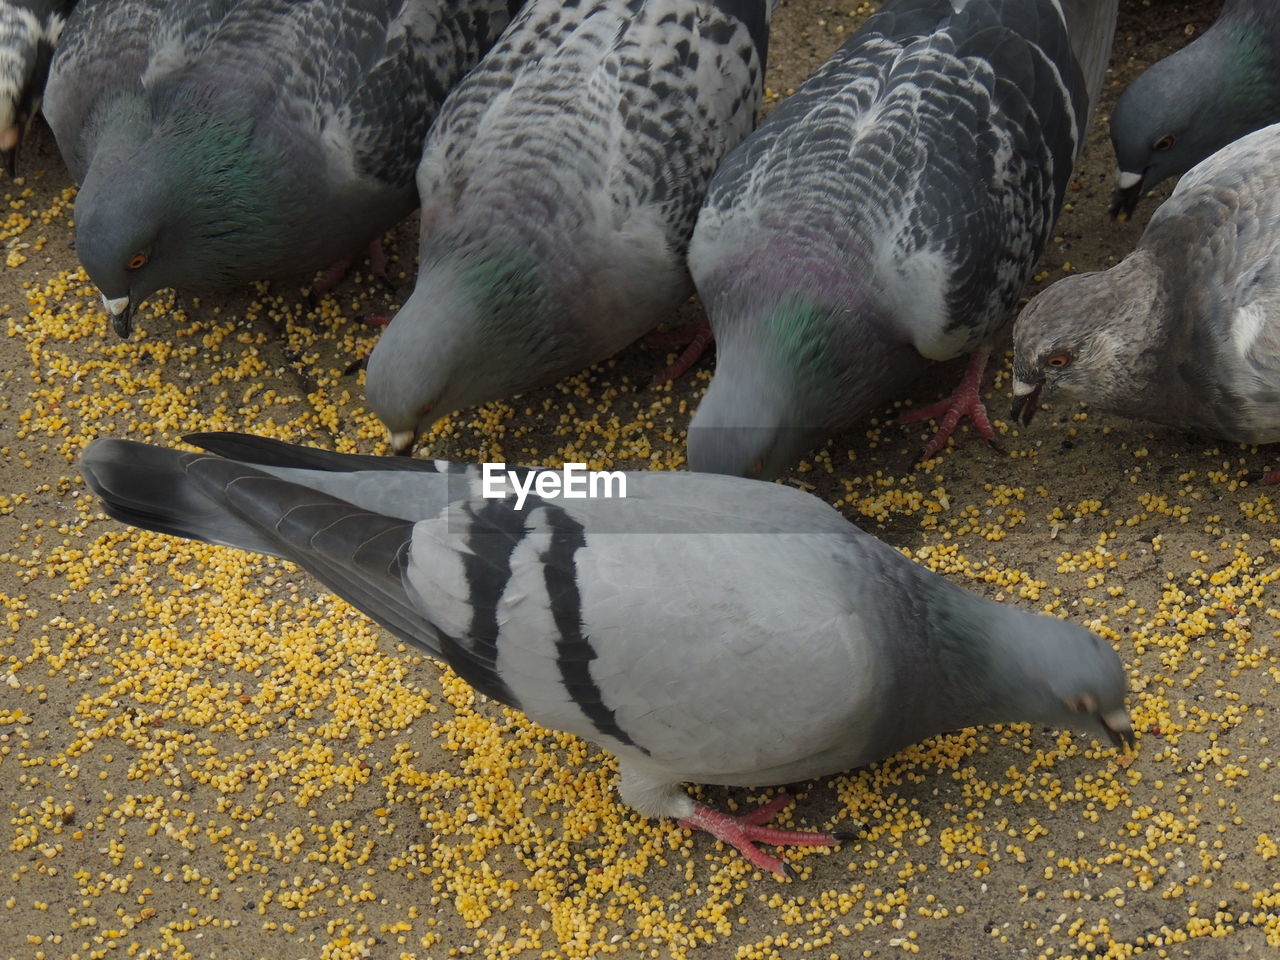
(203, 754)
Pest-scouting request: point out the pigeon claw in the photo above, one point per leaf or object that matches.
(965, 401)
(744, 832)
(695, 339)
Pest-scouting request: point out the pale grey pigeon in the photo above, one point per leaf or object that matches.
(1196, 101)
(702, 628)
(28, 31)
(218, 143)
(559, 189)
(1185, 330)
(887, 215)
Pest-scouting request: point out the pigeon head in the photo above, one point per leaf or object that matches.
(772, 392)
(475, 329)
(1081, 682)
(1004, 665)
(184, 203)
(1089, 336)
(1188, 106)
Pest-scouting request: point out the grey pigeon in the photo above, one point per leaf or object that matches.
(1185, 330)
(218, 143)
(559, 189)
(1196, 101)
(703, 629)
(28, 31)
(887, 215)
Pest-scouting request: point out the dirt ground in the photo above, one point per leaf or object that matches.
(204, 755)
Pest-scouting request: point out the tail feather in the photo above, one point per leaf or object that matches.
(358, 554)
(1091, 25)
(146, 486)
(265, 452)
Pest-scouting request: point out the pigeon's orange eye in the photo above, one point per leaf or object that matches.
(1165, 142)
(1058, 360)
(137, 261)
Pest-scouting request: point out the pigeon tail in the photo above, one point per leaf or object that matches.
(357, 553)
(147, 486)
(1091, 25)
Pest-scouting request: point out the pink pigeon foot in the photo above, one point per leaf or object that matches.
(965, 401)
(695, 338)
(743, 833)
(1271, 476)
(334, 275)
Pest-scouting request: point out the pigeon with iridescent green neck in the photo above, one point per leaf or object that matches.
(220, 143)
(888, 215)
(1196, 101)
(559, 189)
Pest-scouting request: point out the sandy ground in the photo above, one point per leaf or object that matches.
(204, 755)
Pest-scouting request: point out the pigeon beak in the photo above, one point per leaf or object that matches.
(1026, 398)
(402, 442)
(1124, 200)
(121, 314)
(1119, 729)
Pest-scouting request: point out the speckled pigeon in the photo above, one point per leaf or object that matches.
(559, 189)
(218, 143)
(701, 628)
(886, 215)
(28, 31)
(1185, 330)
(1193, 102)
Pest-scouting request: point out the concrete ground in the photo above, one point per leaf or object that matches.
(202, 754)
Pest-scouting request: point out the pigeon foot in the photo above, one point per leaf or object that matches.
(965, 401)
(744, 832)
(335, 274)
(695, 338)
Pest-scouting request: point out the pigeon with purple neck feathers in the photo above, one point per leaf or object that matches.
(218, 143)
(1196, 101)
(886, 215)
(559, 189)
(701, 628)
(1185, 330)
(28, 31)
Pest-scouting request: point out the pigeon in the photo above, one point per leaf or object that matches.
(559, 189)
(1185, 331)
(28, 31)
(218, 143)
(1192, 103)
(702, 628)
(886, 215)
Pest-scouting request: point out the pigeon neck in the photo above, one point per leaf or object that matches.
(990, 661)
(806, 312)
(1248, 88)
(125, 122)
